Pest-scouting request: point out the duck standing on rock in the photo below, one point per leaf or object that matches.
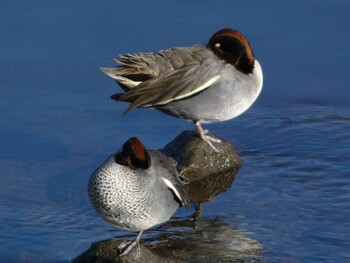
(136, 189)
(202, 84)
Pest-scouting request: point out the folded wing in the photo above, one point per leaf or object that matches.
(176, 85)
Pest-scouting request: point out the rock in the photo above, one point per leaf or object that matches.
(208, 173)
(203, 240)
(107, 252)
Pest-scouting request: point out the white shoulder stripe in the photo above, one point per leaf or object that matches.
(196, 90)
(172, 187)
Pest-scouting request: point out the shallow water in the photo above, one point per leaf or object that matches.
(289, 201)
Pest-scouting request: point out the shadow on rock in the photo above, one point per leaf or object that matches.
(208, 173)
(201, 240)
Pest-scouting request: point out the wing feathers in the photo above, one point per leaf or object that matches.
(173, 188)
(156, 79)
(177, 85)
(188, 93)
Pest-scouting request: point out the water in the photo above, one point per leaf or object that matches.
(290, 200)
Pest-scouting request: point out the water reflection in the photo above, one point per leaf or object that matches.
(186, 240)
(208, 240)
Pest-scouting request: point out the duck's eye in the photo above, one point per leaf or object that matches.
(217, 45)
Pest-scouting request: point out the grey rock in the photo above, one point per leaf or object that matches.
(208, 173)
(204, 240)
(107, 252)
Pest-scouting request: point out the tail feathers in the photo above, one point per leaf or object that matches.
(116, 96)
(127, 83)
(119, 97)
(143, 101)
(112, 72)
(115, 72)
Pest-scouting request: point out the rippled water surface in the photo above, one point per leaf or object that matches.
(290, 201)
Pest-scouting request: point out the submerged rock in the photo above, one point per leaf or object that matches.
(208, 173)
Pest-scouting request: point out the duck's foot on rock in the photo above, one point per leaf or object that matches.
(130, 248)
(108, 252)
(203, 134)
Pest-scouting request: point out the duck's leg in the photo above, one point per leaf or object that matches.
(126, 248)
(197, 213)
(206, 138)
(138, 249)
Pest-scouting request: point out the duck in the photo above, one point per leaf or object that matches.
(137, 189)
(201, 84)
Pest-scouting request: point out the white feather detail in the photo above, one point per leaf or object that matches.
(125, 81)
(172, 187)
(196, 90)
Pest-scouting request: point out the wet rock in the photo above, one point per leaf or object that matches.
(203, 240)
(107, 252)
(208, 173)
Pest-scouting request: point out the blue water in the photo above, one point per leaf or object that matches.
(290, 201)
